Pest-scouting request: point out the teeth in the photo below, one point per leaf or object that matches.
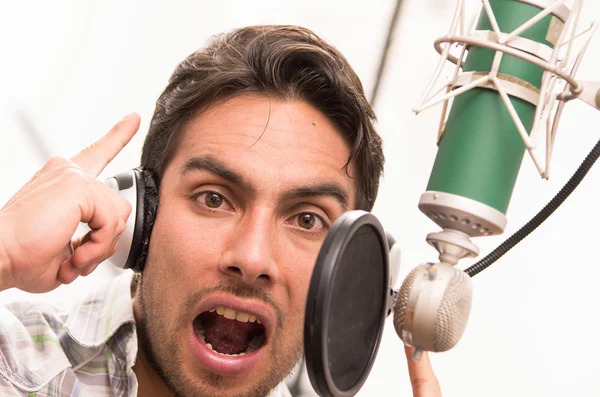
(230, 314)
(212, 348)
(200, 333)
(235, 315)
(242, 317)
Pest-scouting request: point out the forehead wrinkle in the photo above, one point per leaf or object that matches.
(210, 164)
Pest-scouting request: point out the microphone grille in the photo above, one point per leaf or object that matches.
(432, 313)
(403, 297)
(453, 312)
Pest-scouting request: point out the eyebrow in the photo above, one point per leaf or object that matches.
(215, 167)
(324, 189)
(208, 163)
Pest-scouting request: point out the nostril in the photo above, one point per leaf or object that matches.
(235, 270)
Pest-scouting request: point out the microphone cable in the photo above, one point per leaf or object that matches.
(541, 216)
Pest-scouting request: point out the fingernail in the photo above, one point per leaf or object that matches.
(130, 116)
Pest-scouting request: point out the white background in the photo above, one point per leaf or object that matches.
(70, 69)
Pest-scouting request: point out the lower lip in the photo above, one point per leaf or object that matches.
(219, 363)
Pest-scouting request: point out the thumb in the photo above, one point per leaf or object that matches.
(422, 378)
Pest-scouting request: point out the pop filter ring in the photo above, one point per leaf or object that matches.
(316, 325)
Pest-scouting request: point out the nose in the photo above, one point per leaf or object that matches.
(250, 251)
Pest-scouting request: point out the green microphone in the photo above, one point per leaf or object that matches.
(480, 149)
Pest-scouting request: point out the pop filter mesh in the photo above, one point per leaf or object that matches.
(357, 298)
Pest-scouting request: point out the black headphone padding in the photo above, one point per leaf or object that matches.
(147, 197)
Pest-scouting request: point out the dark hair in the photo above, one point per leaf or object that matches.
(285, 62)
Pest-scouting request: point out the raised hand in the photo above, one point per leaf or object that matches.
(37, 250)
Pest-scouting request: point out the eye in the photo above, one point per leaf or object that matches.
(310, 222)
(211, 200)
(306, 220)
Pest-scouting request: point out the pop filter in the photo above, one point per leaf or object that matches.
(348, 300)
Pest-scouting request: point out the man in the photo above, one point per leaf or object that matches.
(259, 142)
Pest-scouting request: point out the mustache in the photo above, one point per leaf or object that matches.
(239, 291)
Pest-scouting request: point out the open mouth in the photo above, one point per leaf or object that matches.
(230, 332)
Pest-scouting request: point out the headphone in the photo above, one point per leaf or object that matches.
(140, 188)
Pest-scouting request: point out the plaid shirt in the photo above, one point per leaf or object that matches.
(88, 351)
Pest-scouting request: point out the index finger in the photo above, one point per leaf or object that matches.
(95, 157)
(422, 378)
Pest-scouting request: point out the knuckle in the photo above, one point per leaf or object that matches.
(113, 222)
(66, 278)
(107, 231)
(56, 162)
(75, 175)
(127, 208)
(121, 227)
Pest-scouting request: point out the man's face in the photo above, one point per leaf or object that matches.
(245, 205)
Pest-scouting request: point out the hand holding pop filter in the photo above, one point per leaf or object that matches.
(348, 300)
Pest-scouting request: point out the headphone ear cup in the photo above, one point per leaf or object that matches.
(145, 216)
(139, 187)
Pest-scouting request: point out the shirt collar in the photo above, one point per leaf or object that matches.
(96, 319)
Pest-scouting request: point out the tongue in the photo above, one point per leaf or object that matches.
(227, 336)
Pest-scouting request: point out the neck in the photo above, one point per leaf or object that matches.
(149, 382)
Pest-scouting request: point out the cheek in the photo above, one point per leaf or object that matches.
(183, 242)
(298, 279)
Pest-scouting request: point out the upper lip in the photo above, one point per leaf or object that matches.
(261, 310)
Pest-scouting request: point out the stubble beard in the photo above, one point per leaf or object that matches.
(164, 356)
